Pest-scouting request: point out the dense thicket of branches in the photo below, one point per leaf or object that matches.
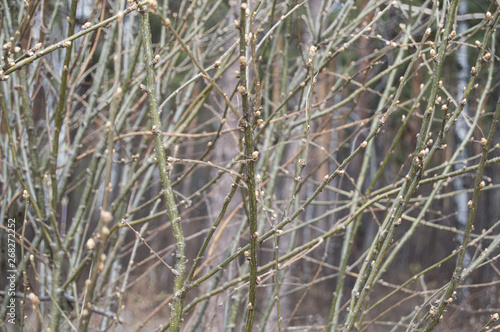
(268, 165)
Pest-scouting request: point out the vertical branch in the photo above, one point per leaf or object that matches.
(252, 155)
(110, 125)
(105, 216)
(32, 142)
(472, 205)
(26, 196)
(61, 103)
(154, 113)
(57, 267)
(352, 228)
(383, 239)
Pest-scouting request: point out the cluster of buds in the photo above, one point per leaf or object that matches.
(255, 155)
(243, 61)
(392, 43)
(258, 121)
(7, 46)
(102, 259)
(421, 156)
(153, 4)
(66, 44)
(312, 54)
(35, 48)
(144, 88)
(312, 51)
(423, 153)
(155, 60)
(90, 244)
(34, 299)
(104, 232)
(249, 37)
(106, 216)
(10, 62)
(242, 89)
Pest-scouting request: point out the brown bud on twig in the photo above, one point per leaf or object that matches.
(243, 61)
